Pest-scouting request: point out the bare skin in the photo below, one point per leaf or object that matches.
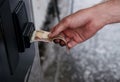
(84, 24)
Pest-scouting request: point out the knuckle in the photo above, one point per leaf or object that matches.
(93, 25)
(66, 21)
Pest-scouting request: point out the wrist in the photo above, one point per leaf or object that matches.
(107, 12)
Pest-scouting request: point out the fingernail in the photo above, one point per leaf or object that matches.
(62, 45)
(50, 35)
(69, 45)
(56, 41)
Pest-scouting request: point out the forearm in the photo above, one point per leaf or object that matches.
(108, 0)
(108, 11)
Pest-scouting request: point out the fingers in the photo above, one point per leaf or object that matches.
(56, 30)
(71, 44)
(69, 36)
(56, 41)
(60, 42)
(52, 30)
(59, 27)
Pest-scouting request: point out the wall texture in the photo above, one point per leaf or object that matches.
(96, 60)
(39, 9)
(39, 12)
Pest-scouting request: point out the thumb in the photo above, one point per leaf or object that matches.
(58, 29)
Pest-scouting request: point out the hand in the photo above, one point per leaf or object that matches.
(83, 24)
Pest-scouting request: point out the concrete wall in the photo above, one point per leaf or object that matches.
(39, 12)
(96, 60)
(39, 8)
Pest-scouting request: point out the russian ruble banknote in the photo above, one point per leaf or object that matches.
(40, 35)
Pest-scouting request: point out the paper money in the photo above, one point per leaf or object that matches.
(40, 35)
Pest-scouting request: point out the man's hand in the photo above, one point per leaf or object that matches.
(83, 24)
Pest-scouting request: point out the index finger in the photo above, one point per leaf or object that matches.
(58, 29)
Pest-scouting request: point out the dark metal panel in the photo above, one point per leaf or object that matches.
(9, 36)
(4, 67)
(28, 4)
(11, 61)
(13, 4)
(1, 2)
(26, 60)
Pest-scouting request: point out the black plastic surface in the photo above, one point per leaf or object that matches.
(27, 34)
(1, 2)
(4, 69)
(20, 21)
(8, 39)
(13, 65)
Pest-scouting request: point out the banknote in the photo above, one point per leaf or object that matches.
(41, 35)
